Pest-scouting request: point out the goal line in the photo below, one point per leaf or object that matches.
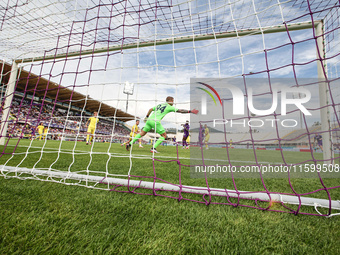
(262, 196)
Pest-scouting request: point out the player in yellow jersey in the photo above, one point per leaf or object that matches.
(133, 133)
(45, 132)
(206, 136)
(188, 141)
(40, 129)
(91, 128)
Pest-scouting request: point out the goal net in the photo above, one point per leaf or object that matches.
(79, 77)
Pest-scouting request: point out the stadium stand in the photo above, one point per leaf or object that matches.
(41, 103)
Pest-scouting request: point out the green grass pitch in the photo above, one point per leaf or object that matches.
(46, 217)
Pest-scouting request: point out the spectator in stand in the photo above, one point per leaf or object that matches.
(26, 111)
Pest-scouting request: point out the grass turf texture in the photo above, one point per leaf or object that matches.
(44, 217)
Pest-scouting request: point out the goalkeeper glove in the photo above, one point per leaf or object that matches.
(194, 111)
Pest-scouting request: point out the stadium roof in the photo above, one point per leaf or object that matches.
(39, 86)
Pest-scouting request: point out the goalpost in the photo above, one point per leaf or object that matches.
(143, 37)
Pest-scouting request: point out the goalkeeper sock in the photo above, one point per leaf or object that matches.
(135, 138)
(87, 138)
(159, 141)
(91, 138)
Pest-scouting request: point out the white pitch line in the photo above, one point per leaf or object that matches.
(140, 156)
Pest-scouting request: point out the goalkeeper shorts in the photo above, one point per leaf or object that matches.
(156, 125)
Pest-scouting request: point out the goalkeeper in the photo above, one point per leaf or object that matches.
(154, 121)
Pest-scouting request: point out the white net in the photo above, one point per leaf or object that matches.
(76, 58)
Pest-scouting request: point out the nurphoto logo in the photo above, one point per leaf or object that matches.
(239, 101)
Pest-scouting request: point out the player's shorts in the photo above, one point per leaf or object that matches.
(320, 142)
(188, 139)
(185, 136)
(206, 139)
(91, 130)
(132, 134)
(150, 124)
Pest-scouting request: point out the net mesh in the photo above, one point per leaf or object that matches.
(74, 58)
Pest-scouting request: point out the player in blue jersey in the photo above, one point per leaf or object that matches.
(153, 120)
(32, 132)
(318, 141)
(186, 129)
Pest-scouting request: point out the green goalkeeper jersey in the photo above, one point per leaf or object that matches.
(161, 110)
